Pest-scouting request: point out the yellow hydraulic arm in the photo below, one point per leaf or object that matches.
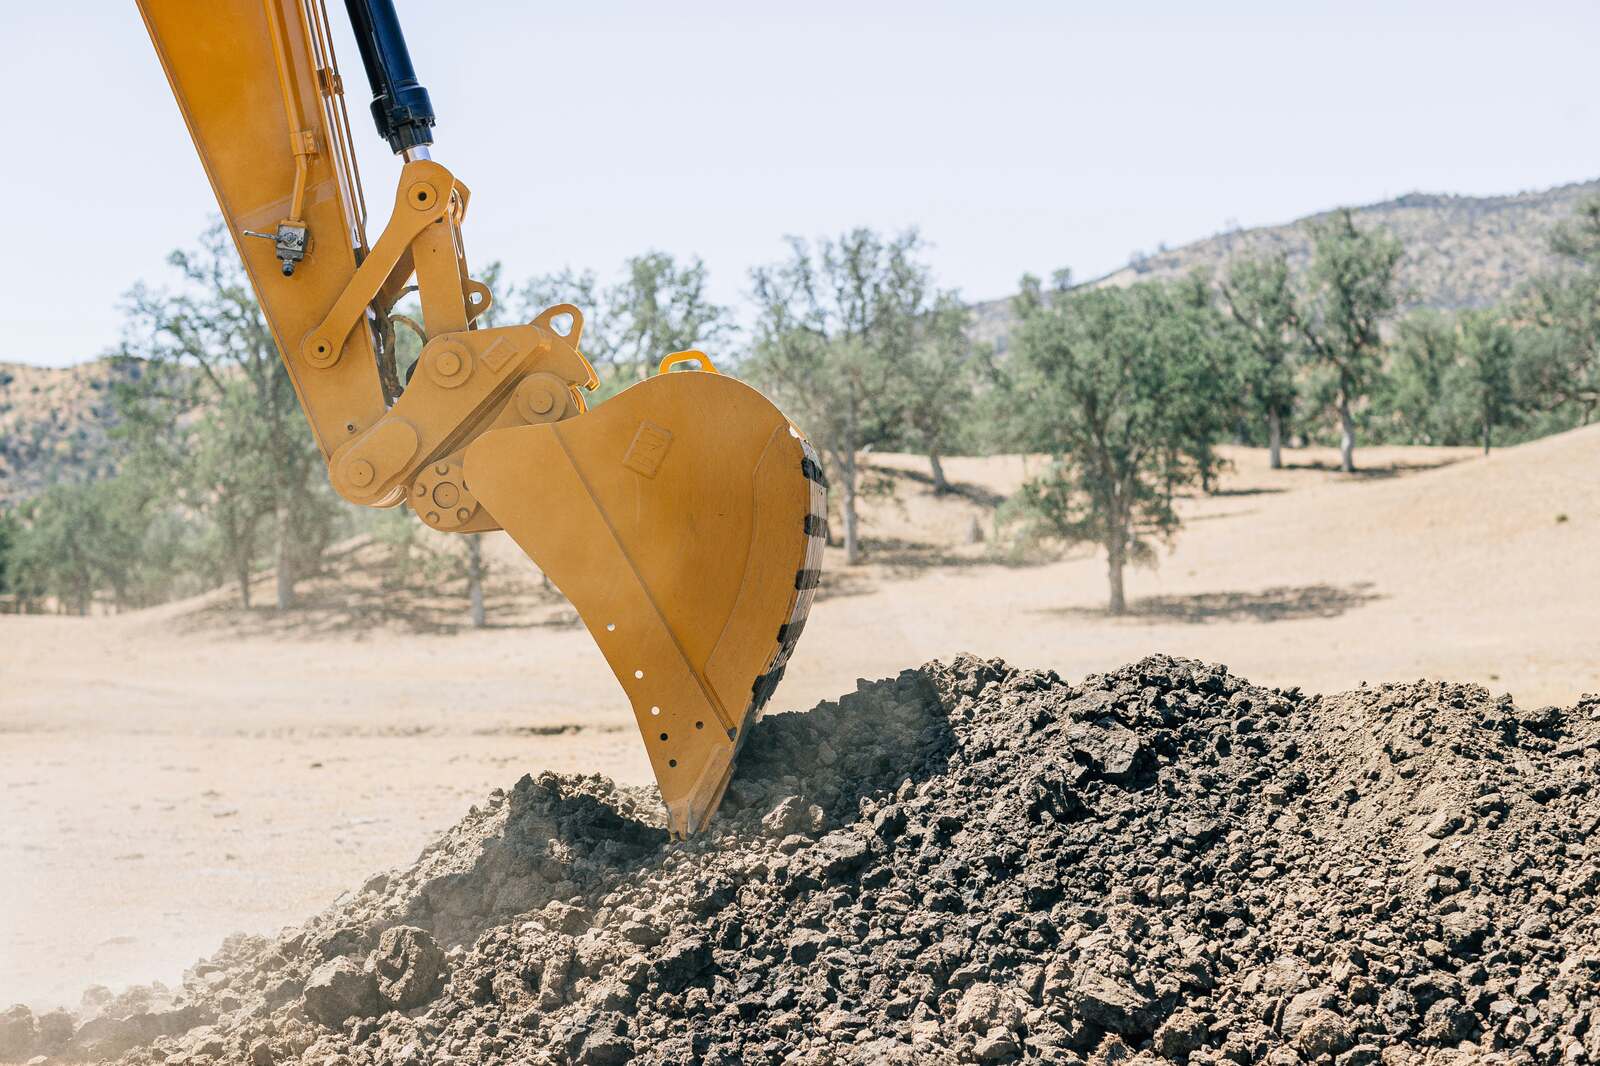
(684, 519)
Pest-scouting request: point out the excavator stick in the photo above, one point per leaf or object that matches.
(685, 520)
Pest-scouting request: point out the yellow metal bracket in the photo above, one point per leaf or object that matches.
(427, 195)
(466, 384)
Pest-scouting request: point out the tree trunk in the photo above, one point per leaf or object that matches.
(847, 470)
(1116, 553)
(1347, 434)
(940, 485)
(242, 574)
(475, 580)
(1275, 439)
(1116, 561)
(281, 557)
(1488, 432)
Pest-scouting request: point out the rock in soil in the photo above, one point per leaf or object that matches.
(973, 863)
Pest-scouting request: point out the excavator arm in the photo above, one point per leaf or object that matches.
(684, 519)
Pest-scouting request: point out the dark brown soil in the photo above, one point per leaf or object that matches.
(971, 863)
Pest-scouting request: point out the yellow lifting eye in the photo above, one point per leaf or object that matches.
(690, 356)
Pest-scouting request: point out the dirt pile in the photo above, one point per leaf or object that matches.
(972, 863)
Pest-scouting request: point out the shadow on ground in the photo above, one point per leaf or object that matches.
(1281, 604)
(978, 494)
(329, 607)
(1374, 473)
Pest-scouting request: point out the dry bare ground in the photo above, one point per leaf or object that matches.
(171, 776)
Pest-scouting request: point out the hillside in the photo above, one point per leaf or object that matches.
(54, 424)
(1460, 251)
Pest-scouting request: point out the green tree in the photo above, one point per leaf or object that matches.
(8, 542)
(1558, 365)
(835, 325)
(1427, 346)
(1261, 301)
(1190, 321)
(1558, 361)
(218, 393)
(1108, 383)
(1352, 291)
(77, 540)
(214, 465)
(936, 378)
(51, 558)
(1482, 381)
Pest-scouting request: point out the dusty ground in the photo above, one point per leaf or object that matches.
(172, 776)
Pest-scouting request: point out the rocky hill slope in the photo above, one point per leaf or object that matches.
(55, 423)
(1461, 251)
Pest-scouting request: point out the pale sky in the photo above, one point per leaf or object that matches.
(1017, 136)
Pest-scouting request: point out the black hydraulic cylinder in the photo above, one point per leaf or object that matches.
(400, 105)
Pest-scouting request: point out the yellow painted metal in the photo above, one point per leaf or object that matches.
(427, 198)
(683, 518)
(224, 70)
(691, 356)
(465, 384)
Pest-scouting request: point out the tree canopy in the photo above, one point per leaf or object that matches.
(1124, 390)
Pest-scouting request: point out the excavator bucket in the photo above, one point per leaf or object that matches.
(684, 519)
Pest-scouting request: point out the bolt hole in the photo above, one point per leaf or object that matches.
(655, 712)
(639, 674)
(699, 725)
(421, 197)
(611, 627)
(663, 736)
(672, 762)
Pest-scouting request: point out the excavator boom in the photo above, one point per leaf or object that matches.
(684, 518)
